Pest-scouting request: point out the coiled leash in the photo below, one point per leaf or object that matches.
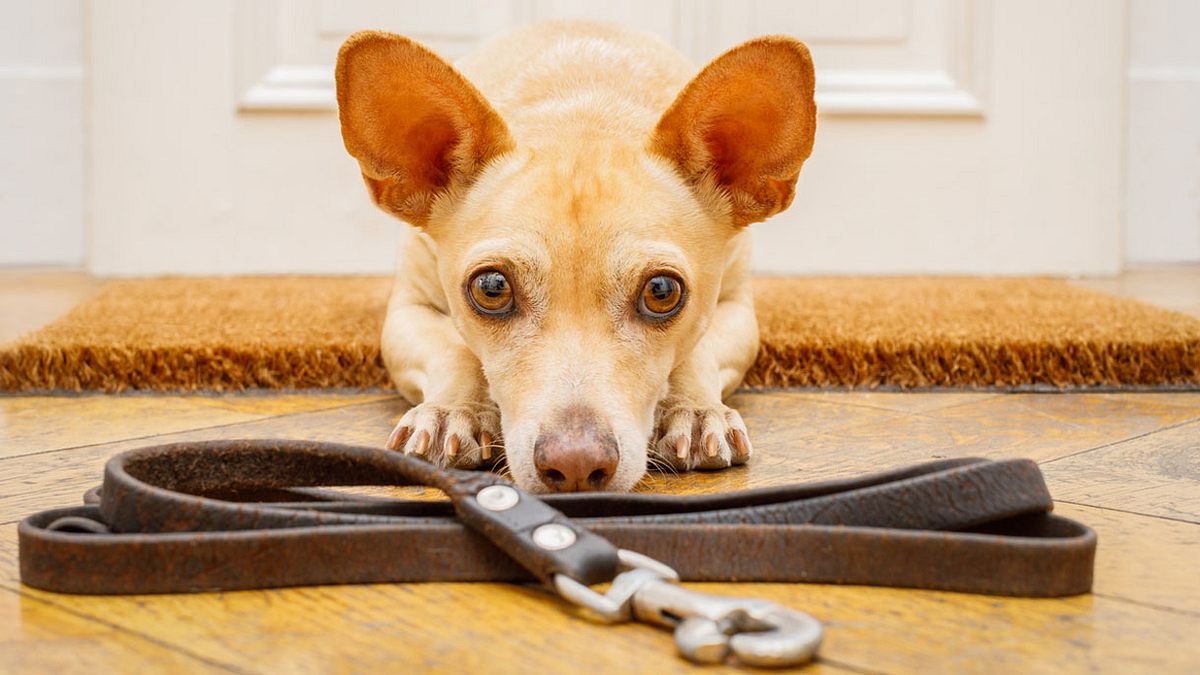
(228, 515)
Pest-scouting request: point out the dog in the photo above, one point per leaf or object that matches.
(576, 289)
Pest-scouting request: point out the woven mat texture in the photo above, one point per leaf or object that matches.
(909, 332)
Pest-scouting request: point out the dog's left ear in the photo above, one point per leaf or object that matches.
(744, 126)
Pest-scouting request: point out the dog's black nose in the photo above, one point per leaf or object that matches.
(577, 453)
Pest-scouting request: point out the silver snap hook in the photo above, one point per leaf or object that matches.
(708, 628)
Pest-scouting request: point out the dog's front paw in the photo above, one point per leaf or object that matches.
(700, 437)
(463, 435)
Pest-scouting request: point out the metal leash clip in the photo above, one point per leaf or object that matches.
(708, 628)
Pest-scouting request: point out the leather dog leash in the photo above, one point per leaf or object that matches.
(226, 515)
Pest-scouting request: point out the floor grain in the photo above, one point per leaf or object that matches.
(37, 636)
(1156, 474)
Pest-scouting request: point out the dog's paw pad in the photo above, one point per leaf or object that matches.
(462, 436)
(691, 437)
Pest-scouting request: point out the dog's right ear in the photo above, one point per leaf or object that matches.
(416, 126)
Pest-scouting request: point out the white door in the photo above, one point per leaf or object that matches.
(954, 136)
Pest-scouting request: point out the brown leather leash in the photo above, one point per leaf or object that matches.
(228, 515)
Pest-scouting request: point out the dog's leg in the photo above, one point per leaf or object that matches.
(694, 429)
(453, 421)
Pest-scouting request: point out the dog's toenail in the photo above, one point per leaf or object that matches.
(397, 438)
(740, 441)
(485, 445)
(681, 447)
(710, 445)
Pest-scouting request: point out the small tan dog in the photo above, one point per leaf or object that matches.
(577, 287)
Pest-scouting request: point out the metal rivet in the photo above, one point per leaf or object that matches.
(553, 536)
(497, 498)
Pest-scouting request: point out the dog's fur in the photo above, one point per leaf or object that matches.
(583, 160)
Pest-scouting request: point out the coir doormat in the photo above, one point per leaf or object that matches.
(306, 332)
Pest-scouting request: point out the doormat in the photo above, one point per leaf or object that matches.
(221, 334)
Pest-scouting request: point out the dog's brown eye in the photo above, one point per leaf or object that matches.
(662, 297)
(491, 293)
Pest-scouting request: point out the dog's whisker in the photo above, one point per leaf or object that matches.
(653, 466)
(661, 465)
(643, 482)
(502, 468)
(671, 468)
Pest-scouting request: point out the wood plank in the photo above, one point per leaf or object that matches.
(1142, 558)
(896, 630)
(1157, 474)
(38, 637)
(508, 628)
(35, 482)
(898, 401)
(1042, 427)
(30, 424)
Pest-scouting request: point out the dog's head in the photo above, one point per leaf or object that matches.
(581, 251)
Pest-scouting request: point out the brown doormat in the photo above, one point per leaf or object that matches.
(302, 332)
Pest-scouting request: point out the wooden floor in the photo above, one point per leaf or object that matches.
(1126, 464)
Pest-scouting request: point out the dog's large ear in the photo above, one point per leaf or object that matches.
(744, 126)
(416, 126)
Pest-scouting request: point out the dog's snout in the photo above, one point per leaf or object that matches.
(576, 454)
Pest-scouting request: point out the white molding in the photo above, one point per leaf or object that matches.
(956, 91)
(287, 88)
(857, 92)
(849, 92)
(266, 81)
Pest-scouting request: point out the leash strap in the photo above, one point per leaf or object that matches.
(228, 515)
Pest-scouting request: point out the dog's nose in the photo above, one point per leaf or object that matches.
(573, 462)
(577, 454)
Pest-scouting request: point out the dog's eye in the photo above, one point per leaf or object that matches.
(491, 293)
(662, 297)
